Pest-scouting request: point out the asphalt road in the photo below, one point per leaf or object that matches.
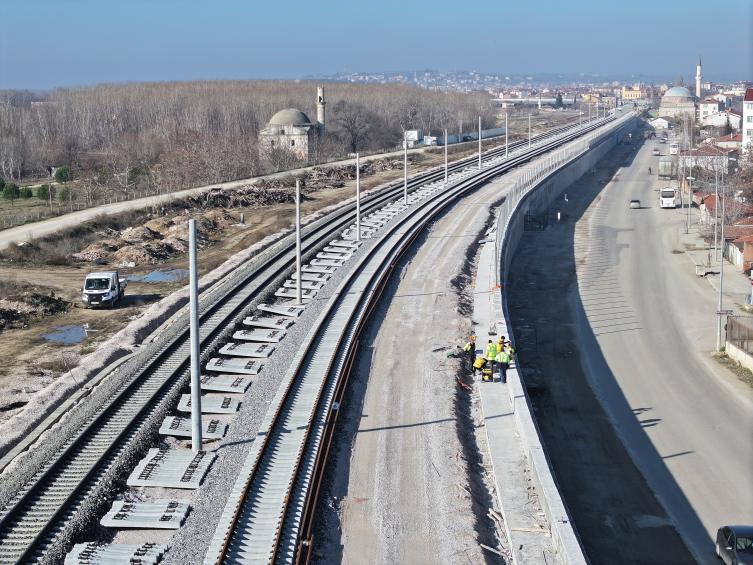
(637, 325)
(651, 324)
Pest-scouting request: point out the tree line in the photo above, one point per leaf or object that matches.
(123, 140)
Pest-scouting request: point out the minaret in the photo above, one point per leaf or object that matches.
(698, 79)
(320, 109)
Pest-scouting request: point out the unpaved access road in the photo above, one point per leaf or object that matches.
(408, 487)
(646, 432)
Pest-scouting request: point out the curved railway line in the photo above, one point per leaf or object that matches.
(268, 517)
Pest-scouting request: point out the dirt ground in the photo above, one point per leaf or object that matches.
(31, 362)
(602, 487)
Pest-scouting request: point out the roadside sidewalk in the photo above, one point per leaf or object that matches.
(737, 285)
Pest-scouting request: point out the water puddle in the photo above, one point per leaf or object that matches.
(68, 334)
(159, 276)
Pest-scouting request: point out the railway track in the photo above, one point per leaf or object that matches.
(269, 513)
(39, 510)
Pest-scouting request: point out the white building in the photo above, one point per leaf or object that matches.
(719, 119)
(747, 125)
(710, 158)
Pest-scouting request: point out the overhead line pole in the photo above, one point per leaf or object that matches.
(505, 135)
(358, 197)
(405, 168)
(299, 280)
(445, 157)
(479, 143)
(196, 439)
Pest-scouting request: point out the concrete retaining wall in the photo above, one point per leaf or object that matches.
(564, 532)
(739, 355)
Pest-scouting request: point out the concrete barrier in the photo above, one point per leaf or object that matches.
(539, 189)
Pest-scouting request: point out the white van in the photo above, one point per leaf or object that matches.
(667, 197)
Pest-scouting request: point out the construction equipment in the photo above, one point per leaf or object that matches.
(481, 365)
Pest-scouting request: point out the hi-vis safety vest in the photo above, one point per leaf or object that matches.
(491, 352)
(502, 357)
(467, 347)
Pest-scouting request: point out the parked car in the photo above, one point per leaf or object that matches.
(734, 545)
(663, 140)
(656, 152)
(635, 204)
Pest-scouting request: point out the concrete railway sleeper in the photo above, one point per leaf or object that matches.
(34, 516)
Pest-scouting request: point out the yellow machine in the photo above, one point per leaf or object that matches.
(481, 364)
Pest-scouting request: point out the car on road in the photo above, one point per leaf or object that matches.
(662, 140)
(734, 545)
(635, 204)
(656, 152)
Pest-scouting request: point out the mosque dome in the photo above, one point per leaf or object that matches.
(678, 92)
(290, 117)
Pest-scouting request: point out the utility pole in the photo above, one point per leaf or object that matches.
(690, 199)
(299, 280)
(721, 283)
(445, 157)
(479, 143)
(358, 197)
(529, 130)
(405, 168)
(196, 439)
(505, 135)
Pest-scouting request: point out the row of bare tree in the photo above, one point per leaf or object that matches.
(128, 138)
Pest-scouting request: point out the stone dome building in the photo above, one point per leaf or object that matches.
(677, 100)
(292, 129)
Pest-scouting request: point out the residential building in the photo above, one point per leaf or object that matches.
(662, 122)
(709, 157)
(731, 141)
(747, 125)
(629, 93)
(709, 106)
(719, 119)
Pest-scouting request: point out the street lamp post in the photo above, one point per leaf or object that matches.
(405, 169)
(690, 200)
(721, 283)
(529, 130)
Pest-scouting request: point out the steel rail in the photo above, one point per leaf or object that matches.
(138, 397)
(289, 427)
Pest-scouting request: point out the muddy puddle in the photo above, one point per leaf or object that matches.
(69, 334)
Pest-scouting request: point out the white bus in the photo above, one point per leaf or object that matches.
(667, 197)
(674, 148)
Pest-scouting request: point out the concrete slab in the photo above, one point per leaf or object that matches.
(524, 526)
(170, 468)
(179, 426)
(234, 365)
(334, 256)
(158, 515)
(305, 285)
(265, 336)
(259, 350)
(270, 322)
(281, 309)
(327, 262)
(306, 293)
(213, 383)
(210, 404)
(319, 277)
(95, 554)
(318, 269)
(346, 244)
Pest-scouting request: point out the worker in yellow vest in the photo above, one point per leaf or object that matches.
(503, 358)
(470, 347)
(491, 354)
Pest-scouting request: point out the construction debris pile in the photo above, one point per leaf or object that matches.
(156, 240)
(16, 311)
(319, 178)
(248, 196)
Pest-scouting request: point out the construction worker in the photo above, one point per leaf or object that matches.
(501, 343)
(491, 353)
(504, 362)
(470, 347)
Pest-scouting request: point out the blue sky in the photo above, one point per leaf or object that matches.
(49, 43)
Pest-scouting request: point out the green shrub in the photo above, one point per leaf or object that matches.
(10, 192)
(25, 193)
(43, 191)
(64, 174)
